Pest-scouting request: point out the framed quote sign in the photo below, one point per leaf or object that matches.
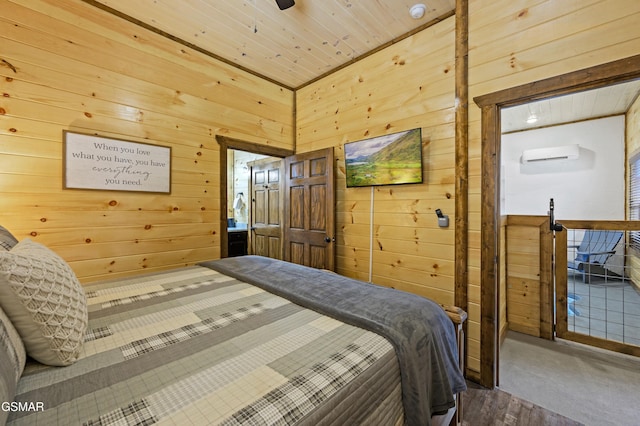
(97, 162)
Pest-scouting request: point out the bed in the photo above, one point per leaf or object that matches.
(238, 341)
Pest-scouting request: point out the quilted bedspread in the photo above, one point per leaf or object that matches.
(422, 334)
(196, 346)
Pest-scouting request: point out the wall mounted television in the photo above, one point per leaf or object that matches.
(385, 160)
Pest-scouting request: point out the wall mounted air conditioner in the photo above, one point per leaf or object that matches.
(565, 152)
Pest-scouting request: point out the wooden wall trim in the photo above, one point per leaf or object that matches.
(231, 143)
(256, 148)
(462, 155)
(490, 246)
(589, 78)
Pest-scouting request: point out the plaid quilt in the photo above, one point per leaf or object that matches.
(195, 346)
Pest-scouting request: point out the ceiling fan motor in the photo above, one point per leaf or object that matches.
(285, 4)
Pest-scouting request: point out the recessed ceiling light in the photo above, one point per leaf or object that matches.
(417, 11)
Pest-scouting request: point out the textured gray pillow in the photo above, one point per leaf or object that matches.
(45, 302)
(7, 240)
(13, 357)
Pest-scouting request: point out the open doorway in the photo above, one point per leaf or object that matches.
(250, 192)
(491, 106)
(229, 194)
(575, 156)
(308, 225)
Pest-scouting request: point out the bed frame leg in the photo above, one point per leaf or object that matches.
(458, 316)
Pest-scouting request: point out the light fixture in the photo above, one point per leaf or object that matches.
(417, 11)
(532, 118)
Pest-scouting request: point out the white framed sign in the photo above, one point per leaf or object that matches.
(97, 162)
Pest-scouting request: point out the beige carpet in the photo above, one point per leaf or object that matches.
(592, 386)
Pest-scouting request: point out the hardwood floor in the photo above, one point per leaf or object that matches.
(484, 407)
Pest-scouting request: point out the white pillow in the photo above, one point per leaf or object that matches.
(45, 302)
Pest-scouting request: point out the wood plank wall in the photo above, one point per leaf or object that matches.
(513, 43)
(69, 66)
(523, 278)
(407, 85)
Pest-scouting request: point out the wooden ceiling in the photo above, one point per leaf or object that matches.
(291, 47)
(299, 45)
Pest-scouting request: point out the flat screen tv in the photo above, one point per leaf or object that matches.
(385, 160)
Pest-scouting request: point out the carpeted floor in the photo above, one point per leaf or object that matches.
(592, 386)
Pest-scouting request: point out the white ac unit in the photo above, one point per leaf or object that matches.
(565, 152)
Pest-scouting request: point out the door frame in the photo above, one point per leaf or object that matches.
(226, 143)
(490, 105)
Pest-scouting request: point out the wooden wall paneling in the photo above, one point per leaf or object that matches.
(401, 87)
(122, 266)
(438, 119)
(91, 113)
(538, 18)
(112, 30)
(562, 64)
(403, 56)
(552, 30)
(74, 67)
(375, 102)
(415, 288)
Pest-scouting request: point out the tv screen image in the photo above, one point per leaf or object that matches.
(385, 160)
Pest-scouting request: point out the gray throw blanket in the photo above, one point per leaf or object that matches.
(420, 331)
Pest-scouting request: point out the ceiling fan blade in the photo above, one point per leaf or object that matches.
(285, 4)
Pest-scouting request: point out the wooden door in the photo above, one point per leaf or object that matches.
(266, 208)
(309, 226)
